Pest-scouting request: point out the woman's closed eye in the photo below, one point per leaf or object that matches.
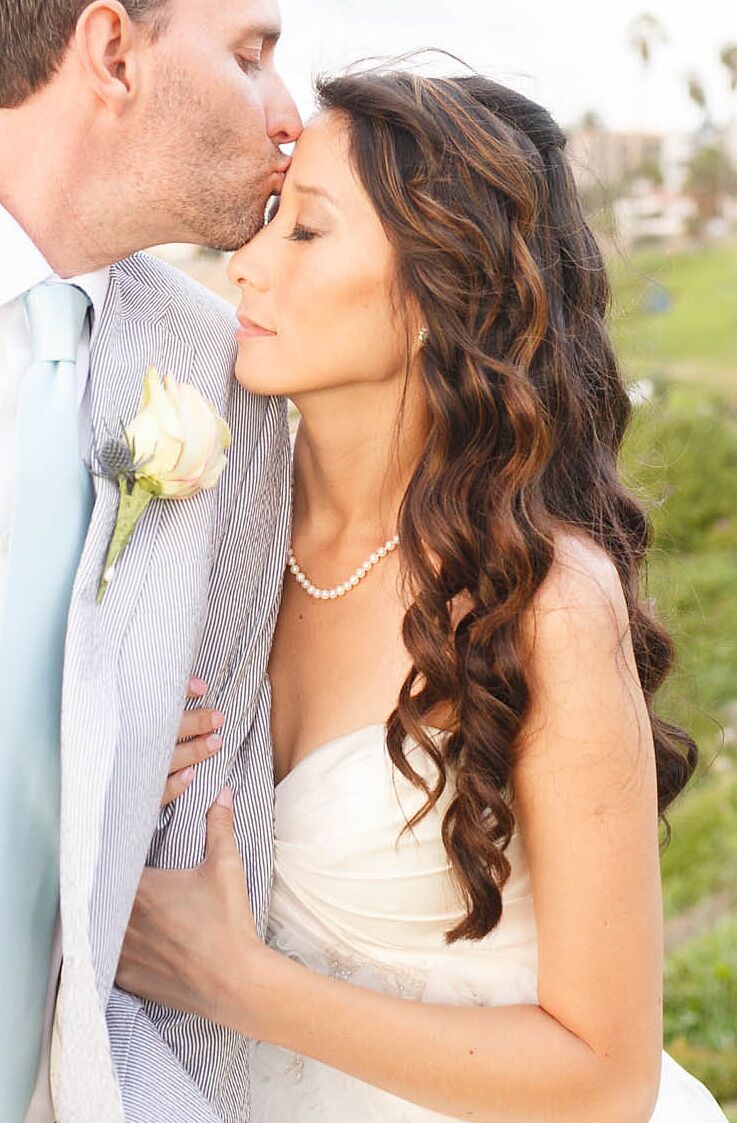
(302, 234)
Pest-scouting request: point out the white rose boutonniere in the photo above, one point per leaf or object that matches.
(174, 448)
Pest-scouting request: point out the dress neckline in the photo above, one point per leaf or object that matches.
(321, 749)
(340, 740)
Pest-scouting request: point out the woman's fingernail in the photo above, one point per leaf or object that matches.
(187, 776)
(214, 743)
(218, 720)
(225, 799)
(197, 686)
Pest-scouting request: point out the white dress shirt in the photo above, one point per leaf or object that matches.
(22, 266)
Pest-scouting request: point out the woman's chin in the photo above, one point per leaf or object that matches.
(255, 380)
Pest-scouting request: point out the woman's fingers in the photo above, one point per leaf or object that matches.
(199, 723)
(194, 752)
(177, 785)
(197, 740)
(184, 758)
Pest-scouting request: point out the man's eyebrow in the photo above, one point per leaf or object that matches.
(320, 192)
(269, 32)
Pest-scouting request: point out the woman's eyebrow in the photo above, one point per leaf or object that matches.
(319, 192)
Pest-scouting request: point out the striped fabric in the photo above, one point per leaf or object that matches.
(197, 591)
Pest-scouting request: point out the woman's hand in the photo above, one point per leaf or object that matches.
(191, 943)
(197, 740)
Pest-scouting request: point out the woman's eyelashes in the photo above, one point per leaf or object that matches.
(302, 234)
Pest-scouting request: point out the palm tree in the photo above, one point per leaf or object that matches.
(697, 92)
(590, 121)
(711, 178)
(646, 33)
(729, 62)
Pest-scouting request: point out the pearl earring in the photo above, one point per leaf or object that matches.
(423, 336)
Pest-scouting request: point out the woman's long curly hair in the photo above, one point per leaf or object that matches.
(528, 412)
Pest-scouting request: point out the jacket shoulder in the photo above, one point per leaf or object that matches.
(147, 275)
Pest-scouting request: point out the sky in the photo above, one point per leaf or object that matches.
(573, 55)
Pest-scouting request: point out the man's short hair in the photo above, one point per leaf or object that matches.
(35, 34)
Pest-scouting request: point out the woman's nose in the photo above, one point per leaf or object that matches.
(244, 270)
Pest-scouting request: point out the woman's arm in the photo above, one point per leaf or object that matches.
(586, 802)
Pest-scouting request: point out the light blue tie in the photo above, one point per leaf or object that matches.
(53, 502)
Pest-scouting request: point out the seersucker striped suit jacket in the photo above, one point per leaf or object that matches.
(196, 592)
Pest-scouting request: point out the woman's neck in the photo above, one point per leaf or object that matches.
(354, 457)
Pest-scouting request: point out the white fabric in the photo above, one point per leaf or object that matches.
(352, 902)
(21, 267)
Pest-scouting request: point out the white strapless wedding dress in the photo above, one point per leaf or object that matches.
(351, 901)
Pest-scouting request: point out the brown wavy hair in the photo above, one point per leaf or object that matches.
(528, 411)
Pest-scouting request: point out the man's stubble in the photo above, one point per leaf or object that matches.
(206, 173)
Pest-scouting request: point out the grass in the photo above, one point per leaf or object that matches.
(695, 339)
(681, 456)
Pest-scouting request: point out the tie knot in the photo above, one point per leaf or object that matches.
(55, 312)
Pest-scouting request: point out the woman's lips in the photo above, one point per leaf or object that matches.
(249, 330)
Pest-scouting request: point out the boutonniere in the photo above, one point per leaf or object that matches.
(174, 448)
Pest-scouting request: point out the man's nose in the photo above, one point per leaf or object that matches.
(284, 122)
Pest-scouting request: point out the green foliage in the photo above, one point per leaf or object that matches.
(716, 1068)
(701, 1011)
(702, 858)
(681, 458)
(710, 178)
(685, 463)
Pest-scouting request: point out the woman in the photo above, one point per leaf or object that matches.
(466, 907)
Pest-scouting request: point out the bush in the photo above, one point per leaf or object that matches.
(701, 860)
(685, 467)
(716, 1068)
(701, 1003)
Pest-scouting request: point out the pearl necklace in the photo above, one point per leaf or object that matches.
(340, 590)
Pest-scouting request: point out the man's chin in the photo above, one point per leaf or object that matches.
(232, 238)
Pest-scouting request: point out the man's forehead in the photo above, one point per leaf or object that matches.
(261, 16)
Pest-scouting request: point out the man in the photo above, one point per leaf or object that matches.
(124, 125)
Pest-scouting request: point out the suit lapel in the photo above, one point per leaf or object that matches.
(93, 713)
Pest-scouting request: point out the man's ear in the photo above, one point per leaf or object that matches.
(107, 43)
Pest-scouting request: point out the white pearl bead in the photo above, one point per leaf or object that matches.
(338, 591)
